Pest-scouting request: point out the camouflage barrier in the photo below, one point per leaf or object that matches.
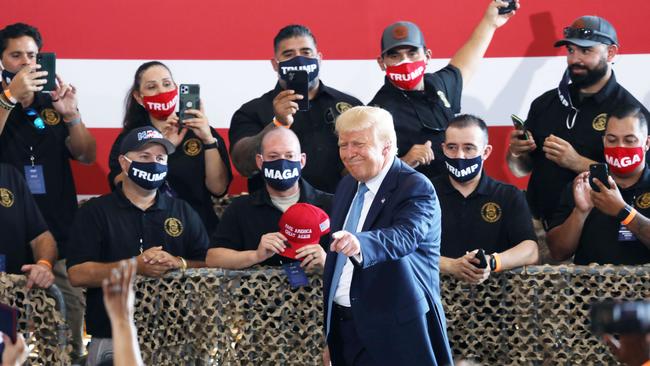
(533, 316)
(39, 320)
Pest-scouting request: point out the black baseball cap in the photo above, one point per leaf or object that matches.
(140, 136)
(588, 31)
(401, 33)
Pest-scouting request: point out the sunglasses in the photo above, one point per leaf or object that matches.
(589, 34)
(36, 119)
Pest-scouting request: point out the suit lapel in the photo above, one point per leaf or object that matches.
(383, 194)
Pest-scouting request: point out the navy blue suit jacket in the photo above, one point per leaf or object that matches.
(395, 294)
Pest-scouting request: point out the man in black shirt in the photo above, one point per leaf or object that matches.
(610, 224)
(24, 231)
(248, 233)
(295, 49)
(39, 134)
(162, 232)
(496, 212)
(422, 104)
(566, 124)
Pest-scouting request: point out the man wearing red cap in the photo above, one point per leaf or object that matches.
(565, 125)
(248, 231)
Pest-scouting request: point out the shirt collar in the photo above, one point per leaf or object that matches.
(374, 183)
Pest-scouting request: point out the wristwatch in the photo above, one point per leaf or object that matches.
(213, 145)
(493, 262)
(624, 213)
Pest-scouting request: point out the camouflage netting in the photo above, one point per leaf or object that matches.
(534, 316)
(39, 321)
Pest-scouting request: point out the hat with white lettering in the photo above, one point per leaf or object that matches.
(401, 34)
(588, 31)
(302, 224)
(140, 136)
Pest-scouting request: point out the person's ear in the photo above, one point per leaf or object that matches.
(275, 65)
(380, 62)
(303, 160)
(612, 51)
(124, 164)
(258, 161)
(487, 151)
(138, 98)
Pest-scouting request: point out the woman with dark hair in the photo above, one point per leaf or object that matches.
(199, 168)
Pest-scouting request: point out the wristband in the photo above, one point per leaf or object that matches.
(4, 104)
(45, 262)
(10, 98)
(278, 123)
(629, 217)
(75, 121)
(213, 145)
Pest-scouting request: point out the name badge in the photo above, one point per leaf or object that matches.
(35, 179)
(624, 234)
(296, 274)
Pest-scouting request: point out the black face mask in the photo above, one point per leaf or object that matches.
(149, 176)
(281, 174)
(299, 63)
(463, 170)
(7, 76)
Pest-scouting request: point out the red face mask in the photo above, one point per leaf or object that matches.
(623, 160)
(160, 106)
(406, 75)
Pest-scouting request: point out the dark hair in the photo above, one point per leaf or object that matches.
(469, 120)
(18, 30)
(630, 110)
(290, 31)
(135, 115)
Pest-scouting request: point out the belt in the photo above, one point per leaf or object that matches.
(342, 312)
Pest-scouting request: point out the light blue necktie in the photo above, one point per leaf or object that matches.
(350, 226)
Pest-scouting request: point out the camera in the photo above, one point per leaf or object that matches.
(620, 317)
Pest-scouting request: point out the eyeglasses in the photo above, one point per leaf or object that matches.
(587, 33)
(36, 119)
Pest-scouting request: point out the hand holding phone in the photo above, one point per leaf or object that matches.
(512, 5)
(189, 99)
(8, 323)
(298, 81)
(47, 60)
(480, 255)
(520, 125)
(600, 171)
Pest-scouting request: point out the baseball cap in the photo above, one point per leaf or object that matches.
(587, 31)
(302, 224)
(402, 33)
(137, 137)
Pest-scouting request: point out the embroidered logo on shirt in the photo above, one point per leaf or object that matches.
(442, 97)
(343, 106)
(599, 122)
(643, 201)
(491, 212)
(173, 227)
(50, 116)
(192, 147)
(6, 197)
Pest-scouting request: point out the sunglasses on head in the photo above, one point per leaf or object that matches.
(589, 34)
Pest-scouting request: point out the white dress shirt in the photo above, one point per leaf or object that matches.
(342, 295)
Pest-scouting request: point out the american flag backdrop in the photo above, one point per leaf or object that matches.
(226, 46)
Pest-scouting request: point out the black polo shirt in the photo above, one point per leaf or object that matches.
(422, 115)
(494, 217)
(548, 116)
(186, 175)
(110, 228)
(249, 217)
(599, 241)
(20, 140)
(20, 220)
(314, 128)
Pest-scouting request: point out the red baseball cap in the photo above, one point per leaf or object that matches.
(302, 224)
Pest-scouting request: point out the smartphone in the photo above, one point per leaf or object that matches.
(298, 81)
(512, 5)
(480, 255)
(600, 171)
(8, 323)
(47, 61)
(189, 99)
(519, 124)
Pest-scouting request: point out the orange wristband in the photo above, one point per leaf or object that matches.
(278, 123)
(629, 217)
(647, 363)
(497, 260)
(10, 97)
(45, 262)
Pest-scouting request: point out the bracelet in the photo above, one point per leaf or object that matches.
(75, 121)
(45, 262)
(183, 263)
(213, 145)
(497, 262)
(629, 217)
(4, 104)
(278, 123)
(10, 98)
